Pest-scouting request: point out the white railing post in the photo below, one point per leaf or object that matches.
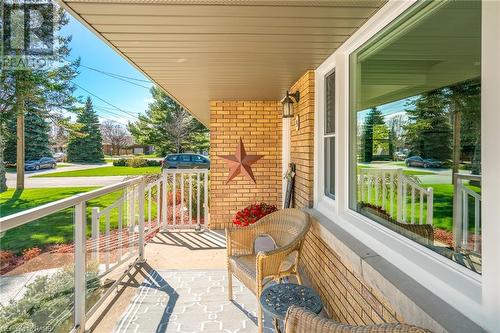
(95, 233)
(164, 208)
(141, 195)
(205, 204)
(362, 184)
(80, 220)
(430, 206)
(399, 193)
(198, 189)
(457, 212)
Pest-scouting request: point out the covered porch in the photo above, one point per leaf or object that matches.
(389, 243)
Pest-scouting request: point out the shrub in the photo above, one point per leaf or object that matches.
(47, 304)
(153, 163)
(31, 253)
(252, 214)
(120, 162)
(137, 162)
(6, 258)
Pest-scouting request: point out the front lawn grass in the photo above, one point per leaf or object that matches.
(442, 205)
(53, 229)
(104, 171)
(406, 172)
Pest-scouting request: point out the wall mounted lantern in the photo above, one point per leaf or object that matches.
(288, 102)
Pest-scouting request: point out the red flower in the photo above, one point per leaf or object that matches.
(252, 214)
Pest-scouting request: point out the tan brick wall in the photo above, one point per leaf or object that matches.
(302, 141)
(258, 123)
(346, 297)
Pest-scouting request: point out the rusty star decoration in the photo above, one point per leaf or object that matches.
(240, 162)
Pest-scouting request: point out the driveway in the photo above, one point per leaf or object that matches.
(67, 181)
(30, 182)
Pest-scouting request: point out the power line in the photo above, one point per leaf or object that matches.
(113, 113)
(103, 100)
(119, 77)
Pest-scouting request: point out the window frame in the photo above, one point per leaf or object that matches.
(476, 295)
(326, 202)
(330, 135)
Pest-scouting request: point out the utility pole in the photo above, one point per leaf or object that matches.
(19, 112)
(457, 121)
(20, 151)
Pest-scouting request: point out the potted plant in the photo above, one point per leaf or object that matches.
(252, 214)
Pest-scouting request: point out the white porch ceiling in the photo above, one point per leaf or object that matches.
(202, 50)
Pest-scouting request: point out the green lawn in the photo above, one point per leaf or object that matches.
(443, 205)
(406, 172)
(105, 171)
(53, 229)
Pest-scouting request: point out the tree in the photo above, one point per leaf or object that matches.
(466, 99)
(3, 176)
(168, 127)
(373, 120)
(116, 135)
(59, 132)
(46, 89)
(85, 145)
(428, 132)
(37, 143)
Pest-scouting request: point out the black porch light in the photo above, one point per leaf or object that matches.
(288, 102)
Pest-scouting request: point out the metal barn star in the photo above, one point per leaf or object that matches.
(240, 162)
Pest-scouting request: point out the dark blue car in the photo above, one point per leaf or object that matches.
(186, 161)
(43, 163)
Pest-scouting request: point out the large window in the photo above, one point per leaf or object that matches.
(415, 115)
(329, 136)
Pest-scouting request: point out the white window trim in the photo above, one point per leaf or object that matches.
(478, 297)
(323, 202)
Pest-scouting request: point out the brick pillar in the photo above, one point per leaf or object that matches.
(258, 123)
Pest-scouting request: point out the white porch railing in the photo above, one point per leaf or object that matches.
(186, 200)
(465, 201)
(397, 194)
(107, 248)
(118, 232)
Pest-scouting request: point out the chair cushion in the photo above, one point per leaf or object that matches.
(244, 269)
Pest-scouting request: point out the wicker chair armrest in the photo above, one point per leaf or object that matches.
(299, 320)
(240, 241)
(269, 262)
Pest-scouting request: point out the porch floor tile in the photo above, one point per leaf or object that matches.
(190, 301)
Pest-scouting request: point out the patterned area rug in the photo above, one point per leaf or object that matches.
(191, 301)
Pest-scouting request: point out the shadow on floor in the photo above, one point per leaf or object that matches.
(152, 280)
(206, 240)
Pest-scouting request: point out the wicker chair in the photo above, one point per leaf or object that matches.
(287, 228)
(299, 320)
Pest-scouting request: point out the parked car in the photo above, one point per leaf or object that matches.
(43, 163)
(60, 157)
(419, 162)
(186, 161)
(401, 155)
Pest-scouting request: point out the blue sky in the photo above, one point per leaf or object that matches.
(96, 54)
(389, 110)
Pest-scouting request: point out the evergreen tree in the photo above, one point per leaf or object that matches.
(85, 144)
(37, 143)
(168, 127)
(373, 119)
(429, 133)
(46, 89)
(3, 175)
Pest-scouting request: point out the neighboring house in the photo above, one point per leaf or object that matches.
(134, 149)
(372, 260)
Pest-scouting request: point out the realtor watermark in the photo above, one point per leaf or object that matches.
(27, 31)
